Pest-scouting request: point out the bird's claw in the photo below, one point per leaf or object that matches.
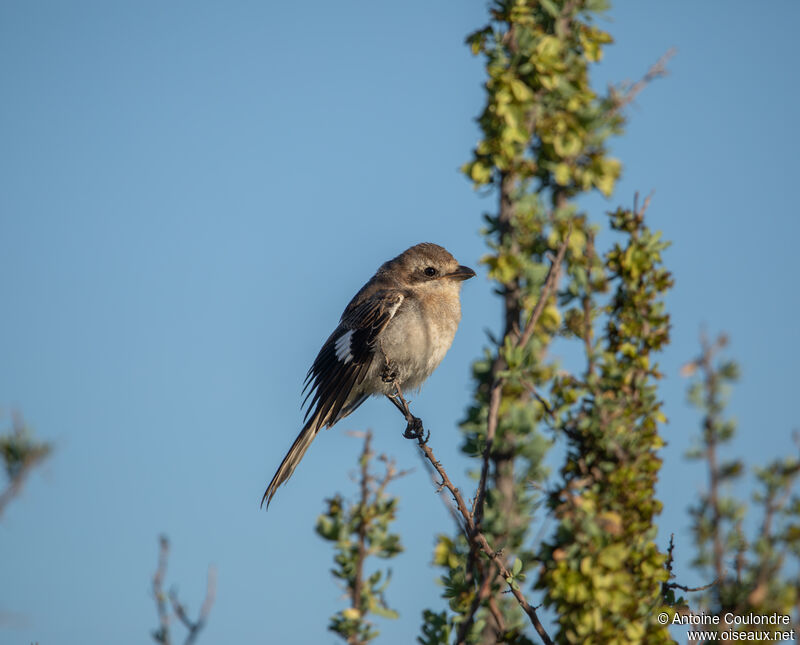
(414, 430)
(389, 373)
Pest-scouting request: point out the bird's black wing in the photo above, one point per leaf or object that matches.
(346, 356)
(339, 369)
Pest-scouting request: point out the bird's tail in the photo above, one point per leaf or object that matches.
(291, 459)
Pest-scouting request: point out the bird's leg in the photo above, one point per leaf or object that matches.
(397, 404)
(389, 372)
(414, 429)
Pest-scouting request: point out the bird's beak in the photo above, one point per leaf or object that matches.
(461, 273)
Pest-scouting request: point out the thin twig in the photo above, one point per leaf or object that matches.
(773, 505)
(476, 536)
(712, 405)
(445, 500)
(194, 627)
(495, 395)
(390, 475)
(670, 562)
(480, 596)
(639, 212)
(675, 585)
(740, 552)
(549, 285)
(545, 404)
(355, 600)
(588, 330)
(497, 614)
(162, 634)
(628, 94)
(482, 542)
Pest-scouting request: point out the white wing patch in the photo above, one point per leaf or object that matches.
(343, 347)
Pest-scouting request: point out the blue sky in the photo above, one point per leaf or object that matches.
(193, 191)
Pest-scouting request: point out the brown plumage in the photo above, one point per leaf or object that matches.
(405, 317)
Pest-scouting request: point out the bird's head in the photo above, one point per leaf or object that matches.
(427, 263)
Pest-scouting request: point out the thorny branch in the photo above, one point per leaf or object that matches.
(484, 545)
(476, 536)
(446, 500)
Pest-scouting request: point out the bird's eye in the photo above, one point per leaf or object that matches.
(430, 272)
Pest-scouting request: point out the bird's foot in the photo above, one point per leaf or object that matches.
(414, 430)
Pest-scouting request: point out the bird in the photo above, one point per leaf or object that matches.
(391, 337)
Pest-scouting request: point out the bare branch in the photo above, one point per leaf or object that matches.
(162, 634)
(484, 545)
(476, 536)
(495, 397)
(497, 614)
(670, 558)
(547, 289)
(194, 627)
(586, 303)
(628, 92)
(670, 562)
(445, 500)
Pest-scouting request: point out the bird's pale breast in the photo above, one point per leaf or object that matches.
(419, 335)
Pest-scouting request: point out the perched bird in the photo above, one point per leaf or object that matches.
(391, 336)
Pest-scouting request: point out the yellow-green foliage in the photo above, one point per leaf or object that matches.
(544, 143)
(755, 571)
(602, 572)
(359, 531)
